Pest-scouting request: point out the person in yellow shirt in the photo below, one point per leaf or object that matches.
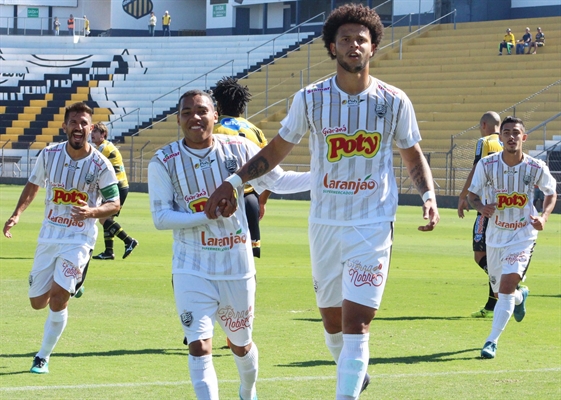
(508, 43)
(110, 227)
(231, 100)
(166, 22)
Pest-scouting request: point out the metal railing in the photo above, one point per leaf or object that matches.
(297, 27)
(205, 76)
(40, 26)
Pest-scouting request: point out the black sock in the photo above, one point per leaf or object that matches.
(115, 230)
(491, 300)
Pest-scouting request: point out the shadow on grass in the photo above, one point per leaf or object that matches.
(16, 258)
(420, 318)
(437, 357)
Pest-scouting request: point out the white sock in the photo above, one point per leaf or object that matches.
(54, 326)
(203, 377)
(334, 342)
(518, 297)
(352, 366)
(503, 310)
(248, 368)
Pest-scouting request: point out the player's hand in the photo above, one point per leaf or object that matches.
(463, 205)
(430, 213)
(12, 221)
(488, 210)
(222, 202)
(81, 211)
(537, 222)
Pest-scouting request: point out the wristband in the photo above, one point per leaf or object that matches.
(429, 194)
(235, 180)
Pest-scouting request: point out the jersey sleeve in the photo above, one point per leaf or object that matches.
(407, 130)
(38, 175)
(478, 180)
(161, 195)
(547, 182)
(295, 125)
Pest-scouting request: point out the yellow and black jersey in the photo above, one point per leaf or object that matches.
(486, 146)
(237, 126)
(113, 154)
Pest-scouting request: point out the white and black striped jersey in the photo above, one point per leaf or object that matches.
(180, 181)
(66, 181)
(351, 148)
(512, 190)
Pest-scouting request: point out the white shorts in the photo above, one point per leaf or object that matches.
(513, 259)
(201, 302)
(65, 264)
(350, 262)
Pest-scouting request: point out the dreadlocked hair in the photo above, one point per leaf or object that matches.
(231, 97)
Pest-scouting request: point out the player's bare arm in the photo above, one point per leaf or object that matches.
(487, 210)
(83, 211)
(538, 222)
(421, 176)
(27, 195)
(269, 157)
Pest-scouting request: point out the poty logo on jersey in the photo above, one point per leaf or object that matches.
(61, 196)
(170, 156)
(361, 275)
(223, 243)
(349, 188)
(235, 320)
(352, 102)
(517, 200)
(361, 143)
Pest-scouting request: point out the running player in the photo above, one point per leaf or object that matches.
(353, 118)
(80, 187)
(488, 144)
(110, 227)
(502, 190)
(213, 269)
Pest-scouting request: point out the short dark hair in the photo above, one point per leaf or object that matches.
(352, 14)
(193, 93)
(102, 128)
(76, 108)
(510, 119)
(231, 97)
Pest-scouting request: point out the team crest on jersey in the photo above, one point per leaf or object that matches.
(89, 178)
(527, 179)
(187, 318)
(231, 164)
(381, 110)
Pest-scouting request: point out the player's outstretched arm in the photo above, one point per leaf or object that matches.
(421, 176)
(269, 157)
(27, 195)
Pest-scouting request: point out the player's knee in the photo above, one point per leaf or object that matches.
(351, 375)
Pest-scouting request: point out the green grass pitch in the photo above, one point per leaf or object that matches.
(124, 341)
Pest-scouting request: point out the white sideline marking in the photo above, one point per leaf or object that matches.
(298, 378)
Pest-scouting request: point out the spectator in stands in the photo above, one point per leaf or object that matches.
(70, 24)
(56, 26)
(110, 227)
(507, 43)
(539, 42)
(524, 42)
(86, 26)
(152, 24)
(166, 22)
